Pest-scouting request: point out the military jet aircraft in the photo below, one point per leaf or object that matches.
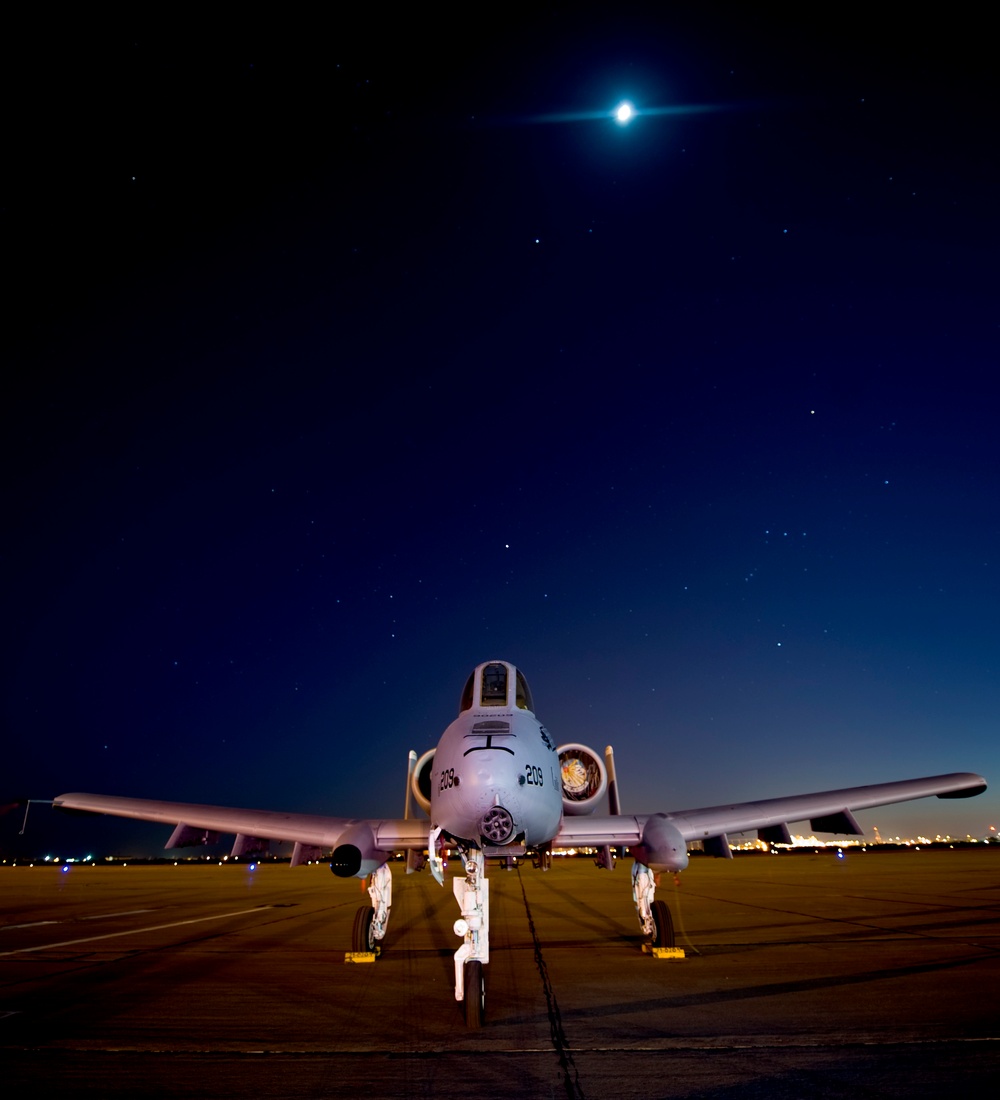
(497, 785)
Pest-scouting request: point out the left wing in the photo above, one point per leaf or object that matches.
(826, 811)
(306, 830)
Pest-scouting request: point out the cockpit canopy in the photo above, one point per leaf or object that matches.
(490, 686)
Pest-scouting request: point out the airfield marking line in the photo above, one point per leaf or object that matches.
(100, 916)
(109, 916)
(134, 931)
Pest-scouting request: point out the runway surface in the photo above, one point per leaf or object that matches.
(875, 975)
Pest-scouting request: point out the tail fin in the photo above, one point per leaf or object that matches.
(414, 859)
(614, 802)
(608, 855)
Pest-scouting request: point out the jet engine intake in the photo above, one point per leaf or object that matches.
(584, 778)
(356, 856)
(420, 781)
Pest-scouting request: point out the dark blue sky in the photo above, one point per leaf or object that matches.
(337, 372)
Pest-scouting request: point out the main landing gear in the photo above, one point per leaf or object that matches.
(370, 920)
(362, 940)
(654, 916)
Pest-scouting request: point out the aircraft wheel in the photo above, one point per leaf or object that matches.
(362, 939)
(663, 934)
(475, 994)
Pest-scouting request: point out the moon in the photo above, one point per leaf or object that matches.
(624, 112)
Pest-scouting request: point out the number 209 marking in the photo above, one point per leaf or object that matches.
(534, 776)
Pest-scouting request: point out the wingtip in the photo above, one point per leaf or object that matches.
(976, 785)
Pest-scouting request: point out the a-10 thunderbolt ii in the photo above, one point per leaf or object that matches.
(497, 785)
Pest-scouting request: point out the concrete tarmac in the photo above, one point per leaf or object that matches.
(805, 976)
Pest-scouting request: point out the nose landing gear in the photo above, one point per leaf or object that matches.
(473, 896)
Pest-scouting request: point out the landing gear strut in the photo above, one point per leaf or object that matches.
(473, 896)
(654, 916)
(370, 921)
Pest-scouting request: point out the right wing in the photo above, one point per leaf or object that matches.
(308, 831)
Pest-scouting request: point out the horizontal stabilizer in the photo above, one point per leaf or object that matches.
(840, 822)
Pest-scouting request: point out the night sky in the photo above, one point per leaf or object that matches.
(338, 366)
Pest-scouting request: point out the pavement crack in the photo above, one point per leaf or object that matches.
(571, 1077)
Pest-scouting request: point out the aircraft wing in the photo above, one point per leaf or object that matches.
(826, 811)
(196, 824)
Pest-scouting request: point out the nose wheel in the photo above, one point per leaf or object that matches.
(475, 994)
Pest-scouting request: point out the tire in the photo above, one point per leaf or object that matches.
(362, 939)
(663, 933)
(475, 994)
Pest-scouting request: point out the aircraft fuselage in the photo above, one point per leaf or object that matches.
(495, 777)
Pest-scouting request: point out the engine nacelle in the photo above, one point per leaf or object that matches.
(662, 847)
(584, 778)
(356, 854)
(420, 781)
